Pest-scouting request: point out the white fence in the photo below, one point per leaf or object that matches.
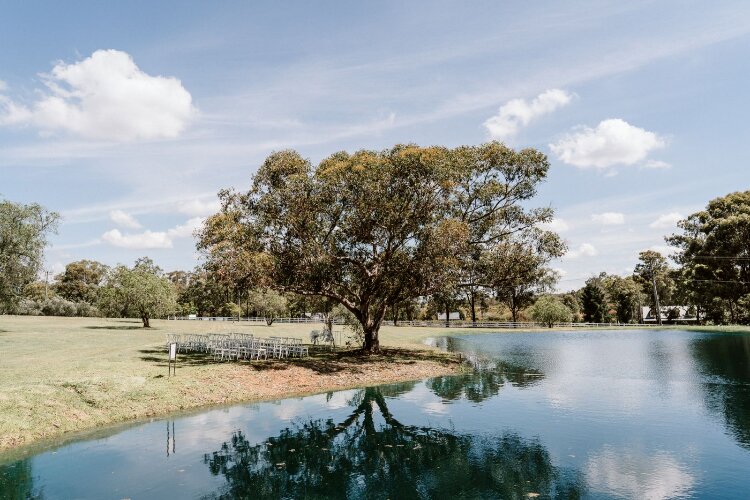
(252, 319)
(430, 323)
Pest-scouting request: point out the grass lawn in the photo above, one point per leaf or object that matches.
(59, 375)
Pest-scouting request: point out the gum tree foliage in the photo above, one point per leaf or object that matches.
(594, 301)
(715, 257)
(81, 280)
(625, 296)
(23, 236)
(141, 291)
(518, 271)
(507, 251)
(550, 310)
(655, 277)
(268, 303)
(375, 228)
(572, 302)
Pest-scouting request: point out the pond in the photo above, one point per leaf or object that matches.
(598, 414)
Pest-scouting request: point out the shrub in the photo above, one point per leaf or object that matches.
(550, 310)
(29, 307)
(57, 306)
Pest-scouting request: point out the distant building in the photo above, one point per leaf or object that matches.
(670, 314)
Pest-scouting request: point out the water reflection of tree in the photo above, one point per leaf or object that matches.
(372, 455)
(725, 359)
(17, 481)
(484, 382)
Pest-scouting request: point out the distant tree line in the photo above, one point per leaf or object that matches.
(708, 280)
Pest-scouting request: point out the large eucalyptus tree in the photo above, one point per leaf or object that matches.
(375, 228)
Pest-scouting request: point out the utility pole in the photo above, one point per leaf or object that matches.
(656, 300)
(46, 285)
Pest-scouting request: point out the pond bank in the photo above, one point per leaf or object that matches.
(63, 375)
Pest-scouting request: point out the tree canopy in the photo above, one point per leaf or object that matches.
(594, 301)
(550, 310)
(715, 257)
(376, 228)
(141, 292)
(23, 236)
(268, 303)
(81, 280)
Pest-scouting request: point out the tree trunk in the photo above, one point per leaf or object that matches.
(372, 342)
(328, 321)
(371, 327)
(513, 310)
(656, 301)
(144, 318)
(447, 315)
(472, 300)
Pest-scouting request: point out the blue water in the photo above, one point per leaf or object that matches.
(605, 414)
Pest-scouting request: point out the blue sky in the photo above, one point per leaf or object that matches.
(127, 118)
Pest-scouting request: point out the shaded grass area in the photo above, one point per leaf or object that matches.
(62, 375)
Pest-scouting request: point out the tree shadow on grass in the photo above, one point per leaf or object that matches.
(160, 358)
(321, 360)
(114, 327)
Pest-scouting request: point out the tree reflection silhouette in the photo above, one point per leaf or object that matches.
(372, 455)
(17, 481)
(725, 360)
(484, 382)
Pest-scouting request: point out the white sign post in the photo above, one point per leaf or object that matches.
(172, 366)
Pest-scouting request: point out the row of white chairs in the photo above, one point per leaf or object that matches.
(236, 346)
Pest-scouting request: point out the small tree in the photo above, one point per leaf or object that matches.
(81, 280)
(141, 292)
(653, 272)
(593, 301)
(269, 303)
(23, 236)
(550, 310)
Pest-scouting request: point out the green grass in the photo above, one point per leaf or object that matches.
(59, 375)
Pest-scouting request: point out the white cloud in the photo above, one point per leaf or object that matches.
(518, 113)
(664, 249)
(557, 225)
(144, 240)
(657, 164)
(186, 230)
(200, 208)
(105, 96)
(588, 250)
(585, 250)
(634, 474)
(152, 239)
(667, 220)
(124, 219)
(560, 271)
(612, 142)
(609, 218)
